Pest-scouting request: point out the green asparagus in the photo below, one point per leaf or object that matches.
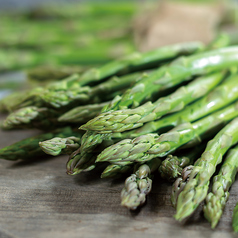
(141, 61)
(48, 73)
(32, 117)
(196, 188)
(121, 120)
(44, 118)
(98, 41)
(78, 161)
(29, 149)
(58, 145)
(113, 170)
(173, 165)
(58, 95)
(179, 184)
(82, 113)
(216, 200)
(84, 164)
(138, 185)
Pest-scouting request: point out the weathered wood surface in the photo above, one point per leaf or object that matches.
(38, 199)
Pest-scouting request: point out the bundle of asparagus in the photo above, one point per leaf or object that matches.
(82, 33)
(148, 113)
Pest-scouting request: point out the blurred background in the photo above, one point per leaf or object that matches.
(42, 41)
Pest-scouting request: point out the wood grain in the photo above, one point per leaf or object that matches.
(38, 199)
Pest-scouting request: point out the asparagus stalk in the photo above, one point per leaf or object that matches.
(44, 118)
(196, 188)
(173, 165)
(139, 61)
(216, 200)
(55, 99)
(65, 32)
(32, 117)
(58, 145)
(58, 95)
(80, 161)
(179, 184)
(29, 148)
(138, 185)
(82, 113)
(121, 120)
(114, 170)
(84, 163)
(147, 147)
(49, 73)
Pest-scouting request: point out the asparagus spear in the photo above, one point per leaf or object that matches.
(216, 200)
(114, 170)
(147, 147)
(196, 188)
(82, 161)
(173, 165)
(55, 99)
(58, 145)
(139, 61)
(121, 120)
(82, 113)
(42, 118)
(136, 61)
(48, 73)
(138, 185)
(29, 148)
(179, 184)
(58, 95)
(235, 218)
(8, 102)
(32, 117)
(84, 164)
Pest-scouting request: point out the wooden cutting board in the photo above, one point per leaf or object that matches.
(38, 199)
